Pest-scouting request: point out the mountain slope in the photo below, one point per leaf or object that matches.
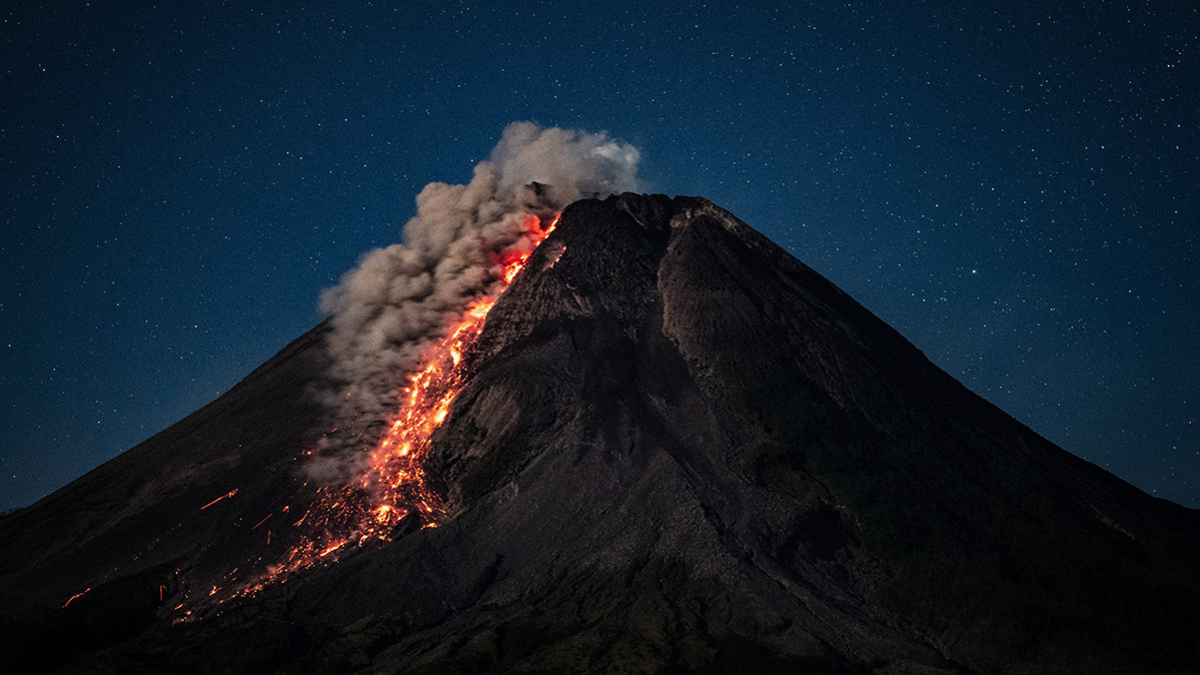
(680, 450)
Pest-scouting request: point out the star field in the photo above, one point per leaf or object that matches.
(1011, 186)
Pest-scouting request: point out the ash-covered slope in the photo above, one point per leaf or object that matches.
(128, 536)
(681, 450)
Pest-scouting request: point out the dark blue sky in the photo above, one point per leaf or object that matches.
(1013, 186)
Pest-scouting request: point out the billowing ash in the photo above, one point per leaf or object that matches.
(401, 298)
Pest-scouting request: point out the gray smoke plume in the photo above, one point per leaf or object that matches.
(401, 298)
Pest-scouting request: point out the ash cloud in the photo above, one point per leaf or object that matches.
(401, 298)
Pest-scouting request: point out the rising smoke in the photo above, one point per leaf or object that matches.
(399, 299)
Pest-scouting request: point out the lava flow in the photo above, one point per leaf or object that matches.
(394, 486)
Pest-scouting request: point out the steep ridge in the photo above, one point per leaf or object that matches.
(682, 450)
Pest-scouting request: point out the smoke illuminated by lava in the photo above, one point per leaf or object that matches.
(401, 328)
(457, 250)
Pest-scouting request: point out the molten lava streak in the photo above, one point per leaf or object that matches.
(394, 485)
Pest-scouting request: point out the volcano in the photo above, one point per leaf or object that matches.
(677, 449)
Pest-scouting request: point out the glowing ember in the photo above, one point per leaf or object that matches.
(73, 597)
(224, 496)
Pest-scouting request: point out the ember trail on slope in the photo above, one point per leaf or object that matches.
(394, 486)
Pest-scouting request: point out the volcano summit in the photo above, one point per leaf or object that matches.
(675, 449)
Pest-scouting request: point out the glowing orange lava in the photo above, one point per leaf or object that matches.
(395, 486)
(224, 496)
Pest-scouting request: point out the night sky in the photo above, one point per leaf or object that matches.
(1014, 186)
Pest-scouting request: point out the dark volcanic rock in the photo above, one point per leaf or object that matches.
(681, 450)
